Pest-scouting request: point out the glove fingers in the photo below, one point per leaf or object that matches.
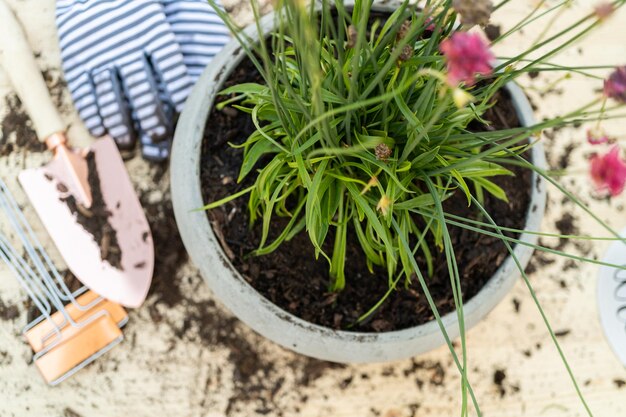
(171, 74)
(139, 77)
(155, 151)
(84, 97)
(96, 34)
(113, 108)
(142, 93)
(198, 30)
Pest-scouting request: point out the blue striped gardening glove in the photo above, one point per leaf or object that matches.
(198, 30)
(125, 68)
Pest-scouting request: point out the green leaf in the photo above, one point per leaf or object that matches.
(253, 155)
(295, 225)
(338, 261)
(367, 246)
(423, 200)
(317, 226)
(246, 88)
(383, 233)
(492, 188)
(330, 97)
(425, 158)
(226, 199)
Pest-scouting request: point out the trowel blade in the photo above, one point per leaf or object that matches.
(128, 283)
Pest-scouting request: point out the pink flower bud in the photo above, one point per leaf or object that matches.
(466, 56)
(383, 152)
(608, 172)
(430, 24)
(597, 136)
(615, 85)
(604, 10)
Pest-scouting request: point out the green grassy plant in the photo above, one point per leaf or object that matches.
(361, 127)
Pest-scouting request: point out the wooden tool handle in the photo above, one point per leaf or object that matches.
(16, 57)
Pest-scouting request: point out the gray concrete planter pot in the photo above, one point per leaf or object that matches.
(268, 319)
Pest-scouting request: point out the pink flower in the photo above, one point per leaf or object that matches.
(597, 136)
(608, 172)
(615, 85)
(430, 24)
(604, 10)
(466, 56)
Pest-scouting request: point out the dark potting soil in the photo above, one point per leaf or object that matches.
(291, 278)
(95, 219)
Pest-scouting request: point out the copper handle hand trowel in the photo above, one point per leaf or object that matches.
(83, 197)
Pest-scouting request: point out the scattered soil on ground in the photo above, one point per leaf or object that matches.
(57, 88)
(562, 333)
(493, 32)
(17, 128)
(170, 253)
(516, 304)
(203, 320)
(8, 311)
(430, 372)
(17, 122)
(256, 380)
(498, 379)
(95, 219)
(313, 369)
(68, 412)
(564, 159)
(539, 259)
(566, 225)
(279, 275)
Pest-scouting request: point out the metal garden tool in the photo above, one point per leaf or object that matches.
(73, 328)
(84, 197)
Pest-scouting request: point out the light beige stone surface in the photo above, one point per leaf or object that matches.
(171, 363)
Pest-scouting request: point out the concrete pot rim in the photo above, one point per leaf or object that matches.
(265, 317)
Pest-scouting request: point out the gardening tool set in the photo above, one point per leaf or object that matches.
(129, 67)
(73, 327)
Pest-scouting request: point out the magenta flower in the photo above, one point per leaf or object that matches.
(467, 55)
(430, 24)
(608, 172)
(615, 85)
(597, 136)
